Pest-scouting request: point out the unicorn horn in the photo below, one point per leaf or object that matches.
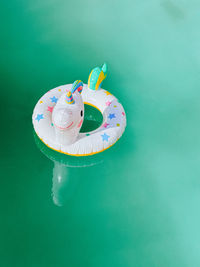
(69, 98)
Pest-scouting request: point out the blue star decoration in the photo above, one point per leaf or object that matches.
(111, 116)
(105, 137)
(54, 99)
(39, 117)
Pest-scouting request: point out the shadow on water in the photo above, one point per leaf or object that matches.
(175, 12)
(65, 176)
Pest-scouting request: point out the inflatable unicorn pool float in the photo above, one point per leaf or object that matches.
(59, 114)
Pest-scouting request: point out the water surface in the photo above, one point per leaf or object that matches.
(137, 204)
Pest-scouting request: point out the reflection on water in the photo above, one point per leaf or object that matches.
(65, 178)
(63, 185)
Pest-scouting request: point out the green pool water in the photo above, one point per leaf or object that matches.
(93, 119)
(136, 204)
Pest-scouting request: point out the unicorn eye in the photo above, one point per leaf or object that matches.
(81, 113)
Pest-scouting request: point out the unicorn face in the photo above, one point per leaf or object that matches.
(68, 116)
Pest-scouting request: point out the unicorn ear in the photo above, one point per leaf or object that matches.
(69, 98)
(77, 85)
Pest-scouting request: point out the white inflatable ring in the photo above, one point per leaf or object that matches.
(113, 125)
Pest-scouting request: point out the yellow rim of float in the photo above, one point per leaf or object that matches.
(77, 155)
(89, 104)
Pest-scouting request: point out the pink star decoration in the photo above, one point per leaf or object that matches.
(108, 103)
(105, 125)
(50, 109)
(123, 113)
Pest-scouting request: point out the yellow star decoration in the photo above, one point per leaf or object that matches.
(41, 101)
(114, 106)
(59, 90)
(107, 93)
(118, 124)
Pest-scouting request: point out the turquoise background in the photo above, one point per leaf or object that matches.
(137, 204)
